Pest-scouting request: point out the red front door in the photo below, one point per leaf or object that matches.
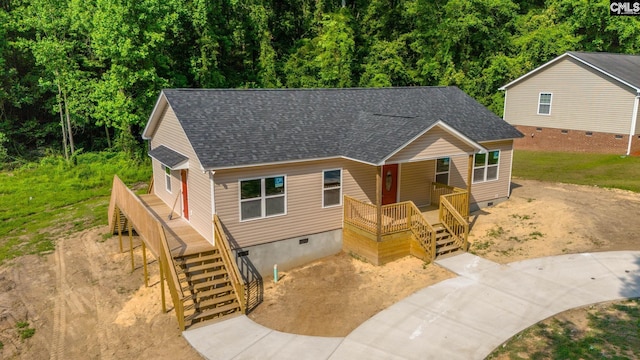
(389, 184)
(185, 195)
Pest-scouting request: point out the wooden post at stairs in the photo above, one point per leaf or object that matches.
(379, 203)
(119, 228)
(144, 262)
(164, 305)
(469, 181)
(133, 266)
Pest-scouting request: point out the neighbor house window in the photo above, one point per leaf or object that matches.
(167, 178)
(485, 166)
(442, 171)
(262, 197)
(544, 104)
(331, 187)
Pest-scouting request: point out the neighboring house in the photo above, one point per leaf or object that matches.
(277, 166)
(578, 102)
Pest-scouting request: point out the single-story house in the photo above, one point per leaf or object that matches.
(277, 166)
(578, 102)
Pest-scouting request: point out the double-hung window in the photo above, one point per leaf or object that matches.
(544, 104)
(262, 197)
(442, 171)
(485, 166)
(331, 187)
(167, 178)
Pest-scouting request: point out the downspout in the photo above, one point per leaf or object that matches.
(634, 120)
(213, 205)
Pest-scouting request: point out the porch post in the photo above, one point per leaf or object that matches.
(469, 181)
(379, 203)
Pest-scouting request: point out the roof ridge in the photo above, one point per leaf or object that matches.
(310, 89)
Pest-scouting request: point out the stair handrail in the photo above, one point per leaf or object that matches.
(454, 222)
(225, 251)
(177, 294)
(415, 219)
(152, 233)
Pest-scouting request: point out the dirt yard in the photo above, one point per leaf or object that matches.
(85, 303)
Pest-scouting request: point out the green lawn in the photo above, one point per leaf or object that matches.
(42, 201)
(611, 171)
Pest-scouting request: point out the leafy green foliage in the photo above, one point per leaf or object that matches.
(24, 330)
(101, 63)
(44, 200)
(610, 171)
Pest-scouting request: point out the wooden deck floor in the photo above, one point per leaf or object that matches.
(182, 238)
(431, 213)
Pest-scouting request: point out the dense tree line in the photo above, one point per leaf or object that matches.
(86, 73)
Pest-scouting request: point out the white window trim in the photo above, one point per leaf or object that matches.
(167, 178)
(486, 166)
(338, 187)
(435, 176)
(550, 102)
(263, 197)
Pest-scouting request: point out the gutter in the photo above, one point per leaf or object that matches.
(634, 121)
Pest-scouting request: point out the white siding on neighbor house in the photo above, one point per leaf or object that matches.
(304, 212)
(436, 143)
(582, 99)
(415, 181)
(169, 133)
(496, 189)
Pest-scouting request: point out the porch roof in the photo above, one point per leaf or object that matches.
(235, 128)
(169, 158)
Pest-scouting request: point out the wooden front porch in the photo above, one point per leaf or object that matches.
(383, 233)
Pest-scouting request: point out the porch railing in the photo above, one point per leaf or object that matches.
(458, 197)
(234, 273)
(153, 234)
(403, 216)
(454, 222)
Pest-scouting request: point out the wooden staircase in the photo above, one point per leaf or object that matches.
(446, 245)
(209, 292)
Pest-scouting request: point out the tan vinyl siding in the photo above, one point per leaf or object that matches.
(436, 143)
(415, 181)
(496, 189)
(305, 214)
(582, 100)
(170, 134)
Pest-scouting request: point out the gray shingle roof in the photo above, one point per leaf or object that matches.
(167, 156)
(622, 66)
(229, 127)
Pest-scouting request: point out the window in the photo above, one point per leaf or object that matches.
(485, 166)
(544, 104)
(331, 187)
(442, 171)
(167, 178)
(263, 197)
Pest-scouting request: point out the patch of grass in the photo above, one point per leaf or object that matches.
(40, 202)
(609, 171)
(24, 330)
(481, 245)
(612, 333)
(495, 232)
(536, 234)
(521, 217)
(1, 345)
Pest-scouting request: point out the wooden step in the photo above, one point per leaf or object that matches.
(207, 274)
(213, 312)
(450, 254)
(446, 249)
(203, 304)
(196, 259)
(444, 241)
(205, 266)
(213, 292)
(210, 283)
